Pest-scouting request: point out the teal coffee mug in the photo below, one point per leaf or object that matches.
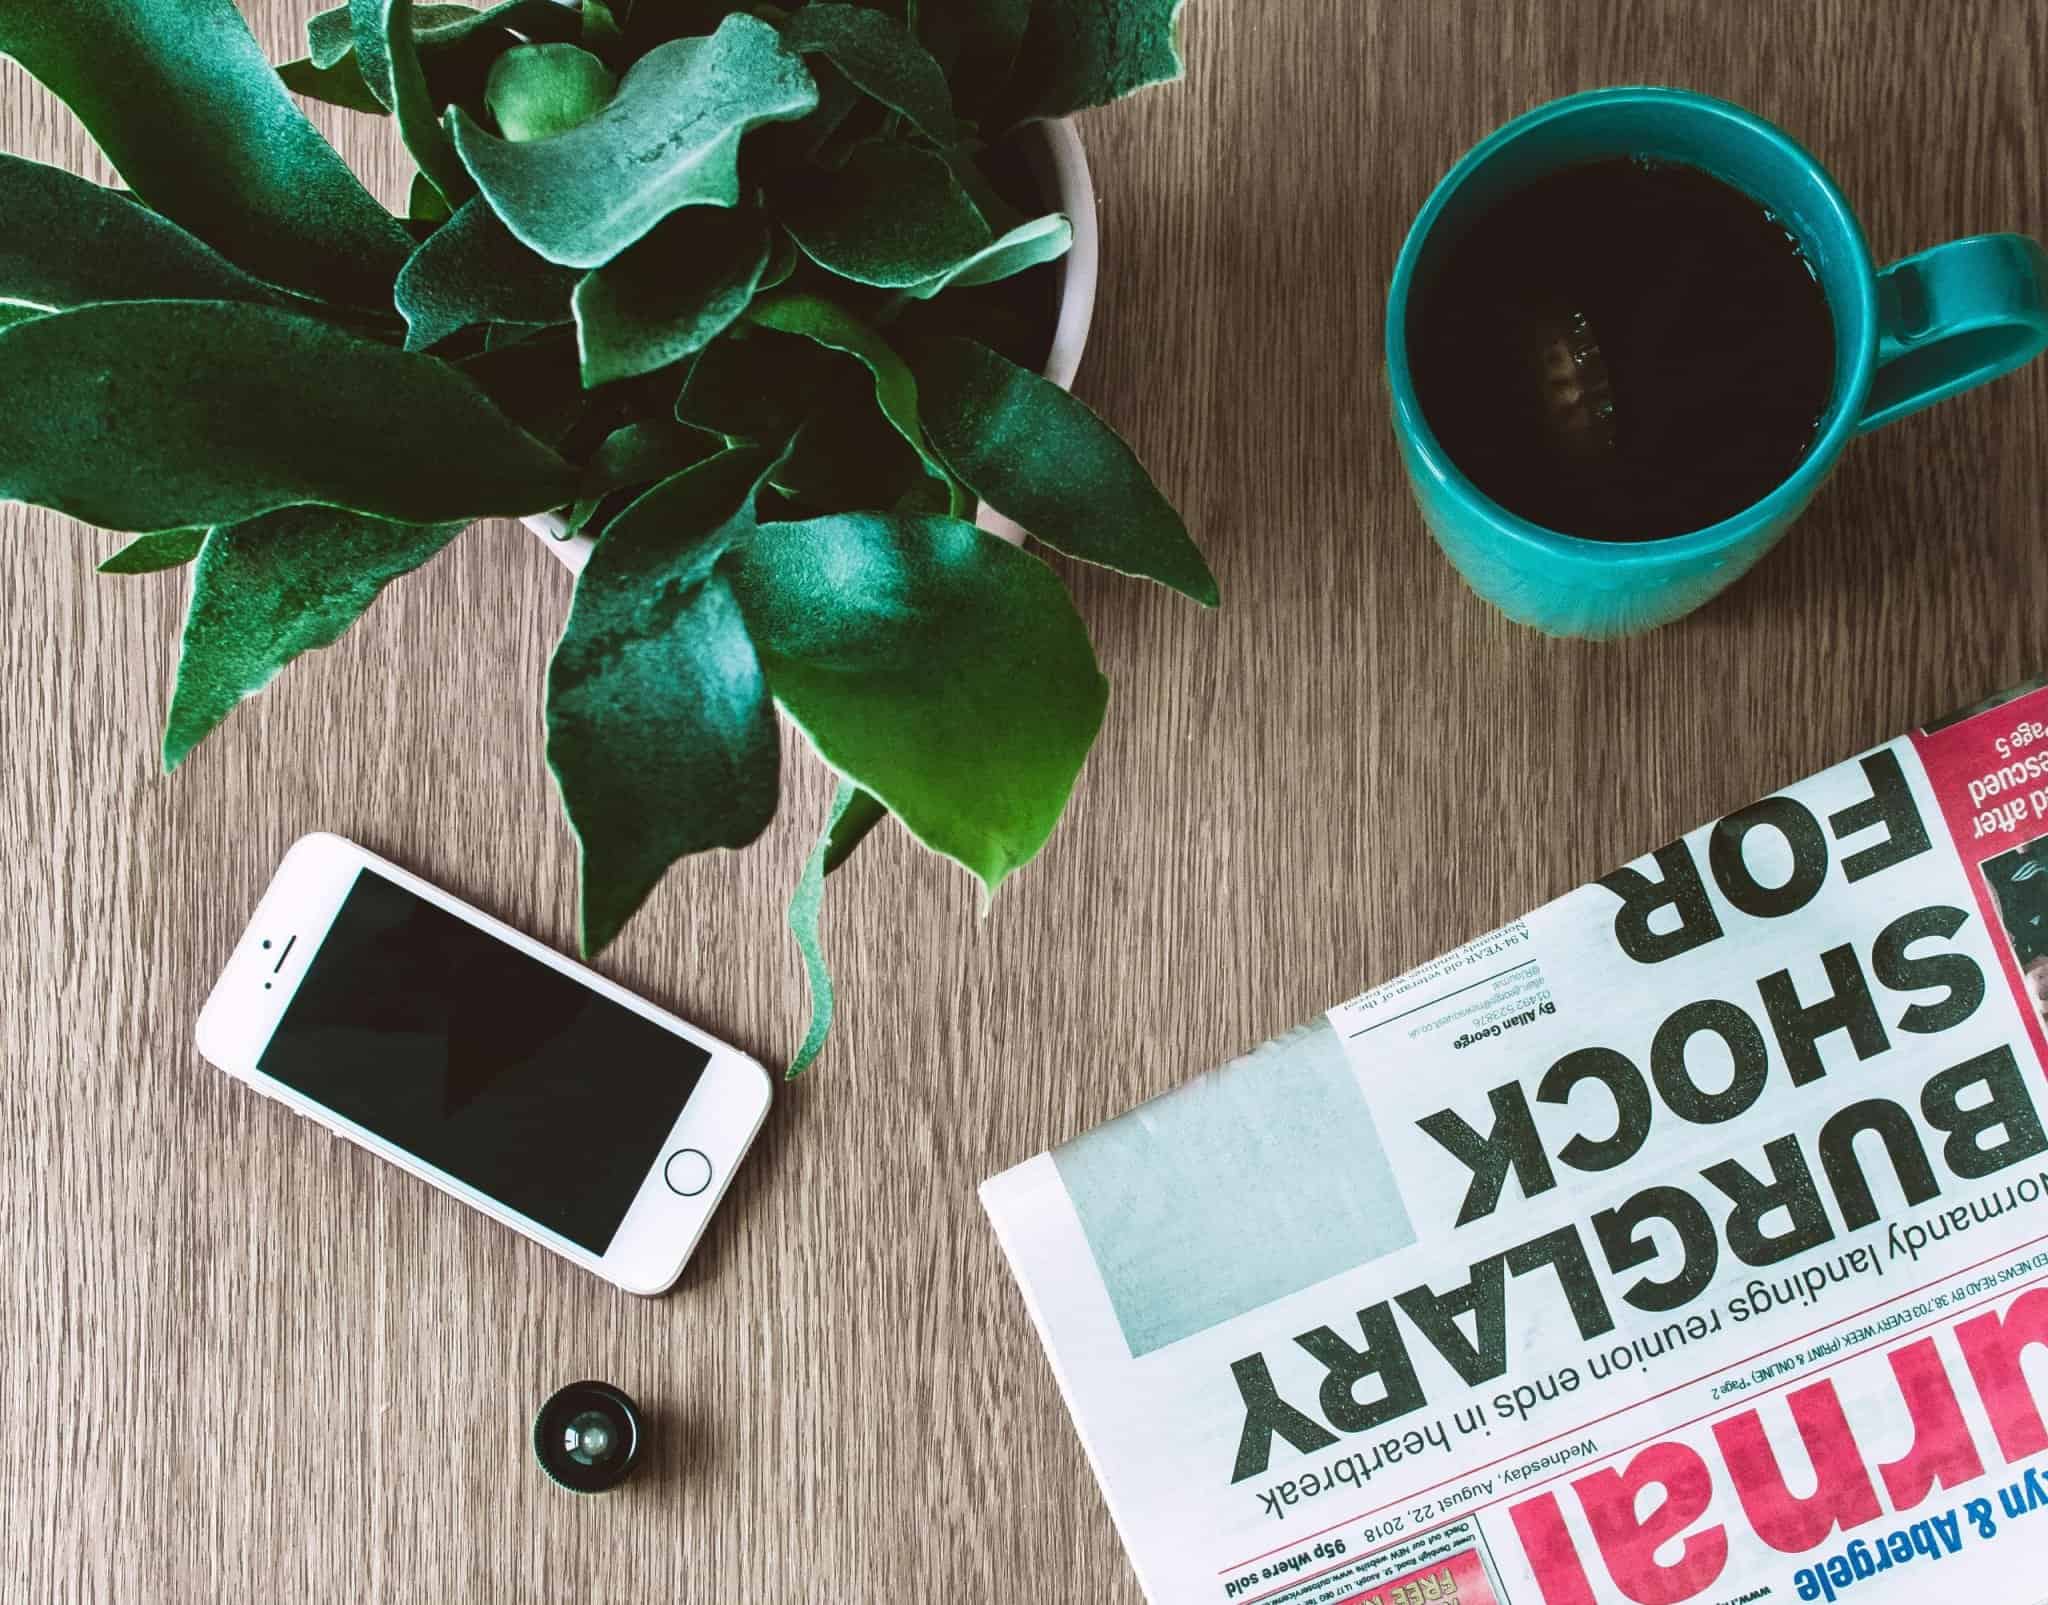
(1923, 328)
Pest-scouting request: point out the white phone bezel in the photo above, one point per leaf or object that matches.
(661, 1228)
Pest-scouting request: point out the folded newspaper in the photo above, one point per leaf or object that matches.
(1686, 1240)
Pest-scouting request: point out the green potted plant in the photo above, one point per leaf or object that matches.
(745, 307)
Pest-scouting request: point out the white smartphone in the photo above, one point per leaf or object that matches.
(521, 1082)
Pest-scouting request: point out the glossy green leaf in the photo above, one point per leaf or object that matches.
(853, 814)
(936, 666)
(1028, 245)
(1081, 53)
(295, 411)
(471, 270)
(1034, 453)
(389, 57)
(195, 119)
(67, 242)
(660, 733)
(271, 587)
(815, 318)
(338, 85)
(537, 91)
(151, 554)
(881, 58)
(668, 296)
(12, 312)
(669, 138)
(894, 216)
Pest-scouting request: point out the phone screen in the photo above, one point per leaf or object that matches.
(510, 1076)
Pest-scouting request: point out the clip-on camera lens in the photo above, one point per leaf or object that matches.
(587, 1437)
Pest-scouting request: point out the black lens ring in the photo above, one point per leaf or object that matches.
(565, 1406)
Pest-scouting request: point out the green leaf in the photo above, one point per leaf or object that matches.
(964, 162)
(757, 384)
(269, 588)
(653, 21)
(390, 60)
(978, 43)
(660, 733)
(882, 58)
(68, 242)
(424, 203)
(13, 312)
(1082, 53)
(536, 19)
(331, 37)
(849, 828)
(1028, 245)
(294, 411)
(531, 377)
(640, 453)
(447, 34)
(636, 455)
(498, 336)
(853, 814)
(600, 26)
(338, 85)
(194, 118)
(151, 554)
(939, 668)
(671, 294)
(1035, 454)
(815, 318)
(670, 138)
(456, 45)
(782, 260)
(760, 388)
(894, 216)
(471, 270)
(537, 91)
(846, 455)
(793, 145)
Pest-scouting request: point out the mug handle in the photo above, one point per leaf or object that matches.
(1956, 316)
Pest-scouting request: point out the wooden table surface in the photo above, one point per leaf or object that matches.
(240, 1360)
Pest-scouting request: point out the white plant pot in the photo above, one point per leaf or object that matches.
(1053, 150)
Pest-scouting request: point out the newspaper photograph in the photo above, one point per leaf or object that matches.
(1685, 1240)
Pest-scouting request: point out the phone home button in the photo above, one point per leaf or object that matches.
(687, 1172)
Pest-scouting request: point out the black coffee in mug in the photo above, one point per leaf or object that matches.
(1623, 350)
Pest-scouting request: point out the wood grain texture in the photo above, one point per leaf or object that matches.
(241, 1361)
